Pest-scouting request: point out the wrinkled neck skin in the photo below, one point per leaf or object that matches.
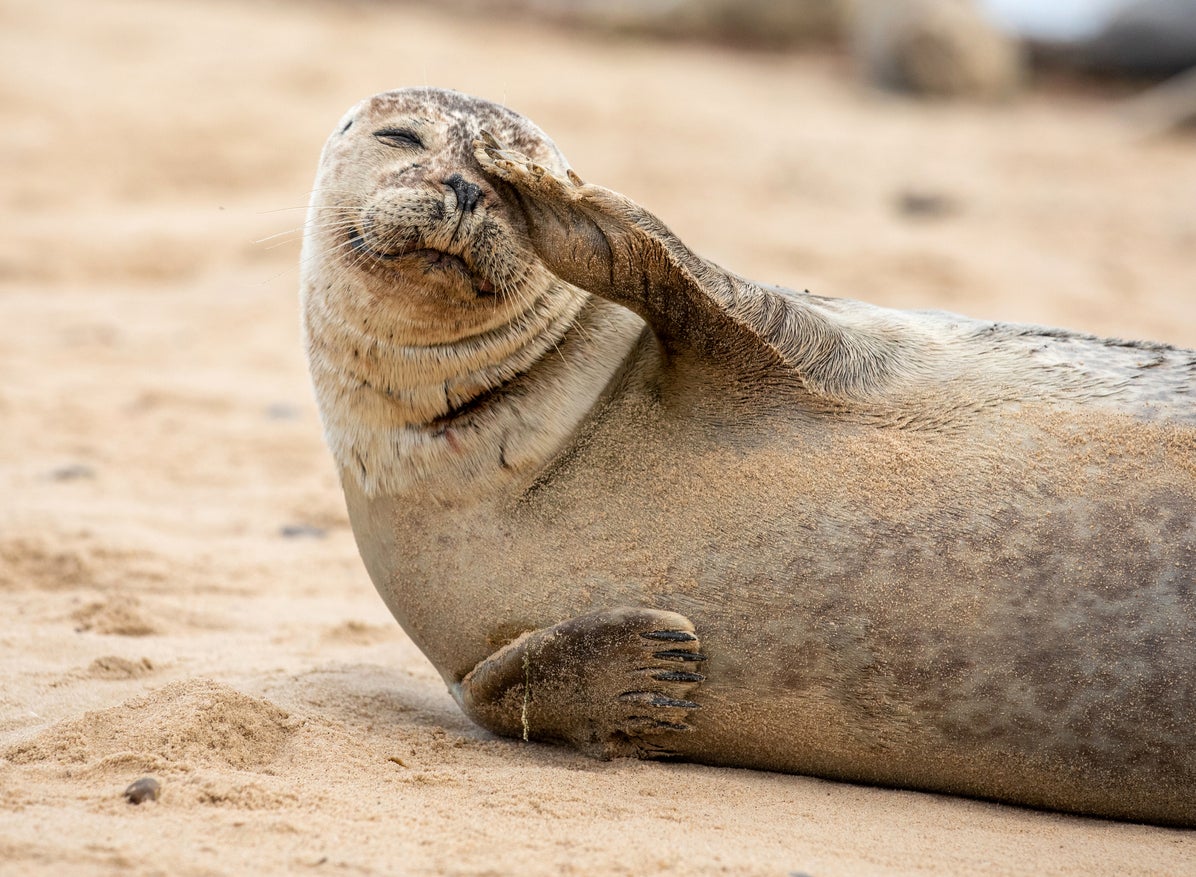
(449, 421)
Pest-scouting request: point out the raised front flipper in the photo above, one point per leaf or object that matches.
(612, 683)
(605, 243)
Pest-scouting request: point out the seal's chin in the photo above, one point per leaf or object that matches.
(426, 258)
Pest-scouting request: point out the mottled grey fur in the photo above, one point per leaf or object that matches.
(627, 500)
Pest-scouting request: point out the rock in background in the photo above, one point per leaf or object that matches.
(935, 48)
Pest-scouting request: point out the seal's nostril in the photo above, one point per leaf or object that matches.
(468, 194)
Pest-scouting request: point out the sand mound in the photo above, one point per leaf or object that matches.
(359, 633)
(116, 667)
(193, 723)
(119, 615)
(64, 563)
(26, 562)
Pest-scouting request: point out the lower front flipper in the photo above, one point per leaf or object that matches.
(612, 683)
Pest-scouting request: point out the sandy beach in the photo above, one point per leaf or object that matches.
(183, 597)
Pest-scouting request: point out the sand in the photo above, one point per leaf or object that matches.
(182, 595)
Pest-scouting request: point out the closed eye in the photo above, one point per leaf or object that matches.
(399, 137)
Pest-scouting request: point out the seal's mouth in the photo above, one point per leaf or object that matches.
(430, 259)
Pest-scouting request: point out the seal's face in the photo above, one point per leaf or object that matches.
(403, 209)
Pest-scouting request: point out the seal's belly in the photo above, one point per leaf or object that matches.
(972, 613)
(878, 604)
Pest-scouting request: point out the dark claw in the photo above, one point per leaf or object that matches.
(648, 724)
(672, 636)
(679, 655)
(678, 676)
(651, 698)
(673, 726)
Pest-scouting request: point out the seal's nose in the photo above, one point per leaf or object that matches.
(468, 195)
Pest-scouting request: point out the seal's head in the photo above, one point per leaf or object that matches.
(402, 209)
(433, 329)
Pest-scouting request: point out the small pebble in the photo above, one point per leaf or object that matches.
(144, 789)
(302, 531)
(282, 411)
(914, 203)
(72, 472)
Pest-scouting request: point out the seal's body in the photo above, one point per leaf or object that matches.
(747, 526)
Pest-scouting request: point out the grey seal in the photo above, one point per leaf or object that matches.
(627, 500)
